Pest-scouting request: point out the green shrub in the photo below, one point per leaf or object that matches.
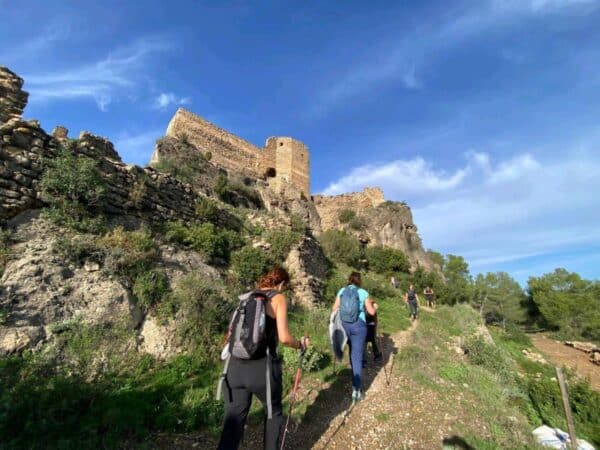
(221, 185)
(215, 244)
(346, 215)
(77, 249)
(5, 253)
(208, 155)
(298, 225)
(489, 356)
(207, 209)
(281, 242)
(150, 287)
(238, 194)
(357, 223)
(340, 246)
(387, 260)
(205, 312)
(249, 264)
(74, 190)
(128, 253)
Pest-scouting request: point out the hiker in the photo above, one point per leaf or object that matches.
(260, 375)
(428, 292)
(352, 303)
(412, 300)
(372, 335)
(394, 282)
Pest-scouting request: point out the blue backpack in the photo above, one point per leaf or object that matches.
(349, 304)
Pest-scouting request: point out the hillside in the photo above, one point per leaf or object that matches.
(117, 283)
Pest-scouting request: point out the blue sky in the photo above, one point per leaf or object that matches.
(483, 115)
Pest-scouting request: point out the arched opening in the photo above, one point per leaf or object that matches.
(270, 173)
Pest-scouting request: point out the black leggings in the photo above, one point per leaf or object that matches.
(245, 378)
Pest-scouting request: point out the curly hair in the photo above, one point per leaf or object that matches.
(274, 277)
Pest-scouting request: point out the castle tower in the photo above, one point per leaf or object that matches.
(286, 159)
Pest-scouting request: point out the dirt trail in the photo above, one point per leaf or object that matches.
(345, 430)
(563, 355)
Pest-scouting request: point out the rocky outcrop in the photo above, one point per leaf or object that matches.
(12, 98)
(39, 291)
(308, 268)
(381, 222)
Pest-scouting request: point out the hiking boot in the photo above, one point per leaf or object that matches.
(356, 396)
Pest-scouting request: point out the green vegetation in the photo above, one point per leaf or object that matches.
(281, 242)
(499, 298)
(481, 389)
(357, 223)
(237, 193)
(346, 215)
(566, 303)
(74, 191)
(150, 287)
(215, 244)
(249, 264)
(185, 172)
(542, 401)
(386, 260)
(5, 253)
(340, 247)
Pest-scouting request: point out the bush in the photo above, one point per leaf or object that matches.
(281, 242)
(150, 287)
(387, 260)
(128, 253)
(205, 238)
(74, 189)
(237, 194)
(77, 249)
(249, 264)
(204, 311)
(298, 224)
(346, 215)
(340, 246)
(4, 249)
(489, 356)
(356, 223)
(207, 209)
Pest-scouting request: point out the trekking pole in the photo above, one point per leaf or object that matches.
(293, 397)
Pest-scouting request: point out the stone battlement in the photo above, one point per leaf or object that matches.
(282, 160)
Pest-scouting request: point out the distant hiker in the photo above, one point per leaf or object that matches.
(412, 300)
(252, 364)
(394, 282)
(428, 292)
(353, 302)
(372, 335)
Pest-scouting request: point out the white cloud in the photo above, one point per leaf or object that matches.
(412, 176)
(495, 212)
(117, 75)
(137, 148)
(166, 99)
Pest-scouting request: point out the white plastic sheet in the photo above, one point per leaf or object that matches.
(557, 438)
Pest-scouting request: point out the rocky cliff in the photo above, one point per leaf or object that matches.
(378, 222)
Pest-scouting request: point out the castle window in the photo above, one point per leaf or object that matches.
(270, 172)
(281, 144)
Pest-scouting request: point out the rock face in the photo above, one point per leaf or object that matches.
(308, 268)
(383, 223)
(39, 290)
(12, 99)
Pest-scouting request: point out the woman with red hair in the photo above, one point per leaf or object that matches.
(246, 377)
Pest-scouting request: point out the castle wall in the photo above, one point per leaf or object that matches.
(283, 160)
(228, 150)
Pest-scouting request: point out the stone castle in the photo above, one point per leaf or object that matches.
(282, 160)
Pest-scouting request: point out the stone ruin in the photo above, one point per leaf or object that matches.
(282, 161)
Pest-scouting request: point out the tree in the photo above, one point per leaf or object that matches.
(340, 246)
(436, 258)
(386, 260)
(458, 280)
(499, 298)
(567, 303)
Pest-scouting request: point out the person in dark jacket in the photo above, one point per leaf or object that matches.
(372, 335)
(248, 377)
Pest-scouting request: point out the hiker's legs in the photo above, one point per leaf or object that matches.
(236, 411)
(413, 309)
(357, 333)
(272, 426)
